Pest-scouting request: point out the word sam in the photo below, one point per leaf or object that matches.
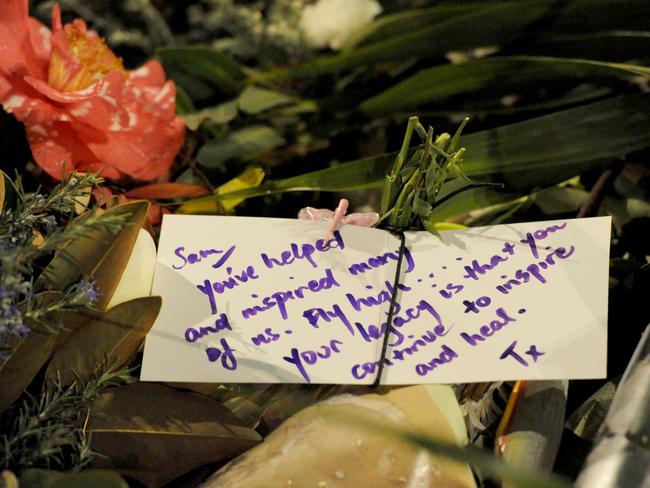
(193, 258)
(305, 251)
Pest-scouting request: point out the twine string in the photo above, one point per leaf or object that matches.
(391, 309)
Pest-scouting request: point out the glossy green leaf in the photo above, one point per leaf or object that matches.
(242, 144)
(386, 26)
(95, 478)
(441, 82)
(563, 144)
(221, 114)
(114, 336)
(24, 360)
(202, 68)
(100, 255)
(588, 16)
(254, 100)
(184, 103)
(8, 193)
(26, 355)
(610, 45)
(155, 434)
(495, 24)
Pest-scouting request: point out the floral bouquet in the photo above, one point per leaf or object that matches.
(295, 107)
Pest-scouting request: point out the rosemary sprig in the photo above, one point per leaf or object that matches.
(31, 228)
(47, 430)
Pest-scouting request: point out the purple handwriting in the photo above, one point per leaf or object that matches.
(313, 315)
(305, 251)
(451, 290)
(266, 337)
(476, 269)
(193, 335)
(300, 359)
(382, 260)
(383, 296)
(280, 298)
(489, 330)
(533, 270)
(360, 371)
(538, 235)
(209, 288)
(225, 353)
(447, 355)
(476, 305)
(532, 352)
(194, 258)
(372, 332)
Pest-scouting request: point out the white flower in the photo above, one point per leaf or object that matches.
(332, 22)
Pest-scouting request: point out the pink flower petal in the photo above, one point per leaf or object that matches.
(17, 55)
(29, 109)
(141, 155)
(150, 74)
(56, 144)
(41, 38)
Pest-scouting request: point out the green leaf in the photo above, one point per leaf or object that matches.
(242, 144)
(191, 64)
(8, 193)
(221, 114)
(254, 100)
(562, 144)
(25, 358)
(391, 25)
(154, 433)
(588, 16)
(493, 24)
(618, 45)
(442, 82)
(184, 103)
(114, 336)
(95, 478)
(421, 207)
(27, 355)
(100, 255)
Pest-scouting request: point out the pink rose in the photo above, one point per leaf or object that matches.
(79, 105)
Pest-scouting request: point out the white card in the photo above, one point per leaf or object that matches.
(257, 300)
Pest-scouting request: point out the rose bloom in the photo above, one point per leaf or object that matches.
(80, 107)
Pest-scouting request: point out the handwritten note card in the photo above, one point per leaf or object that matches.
(257, 300)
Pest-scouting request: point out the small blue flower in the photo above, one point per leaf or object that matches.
(86, 292)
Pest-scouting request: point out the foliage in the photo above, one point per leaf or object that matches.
(556, 94)
(45, 432)
(33, 226)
